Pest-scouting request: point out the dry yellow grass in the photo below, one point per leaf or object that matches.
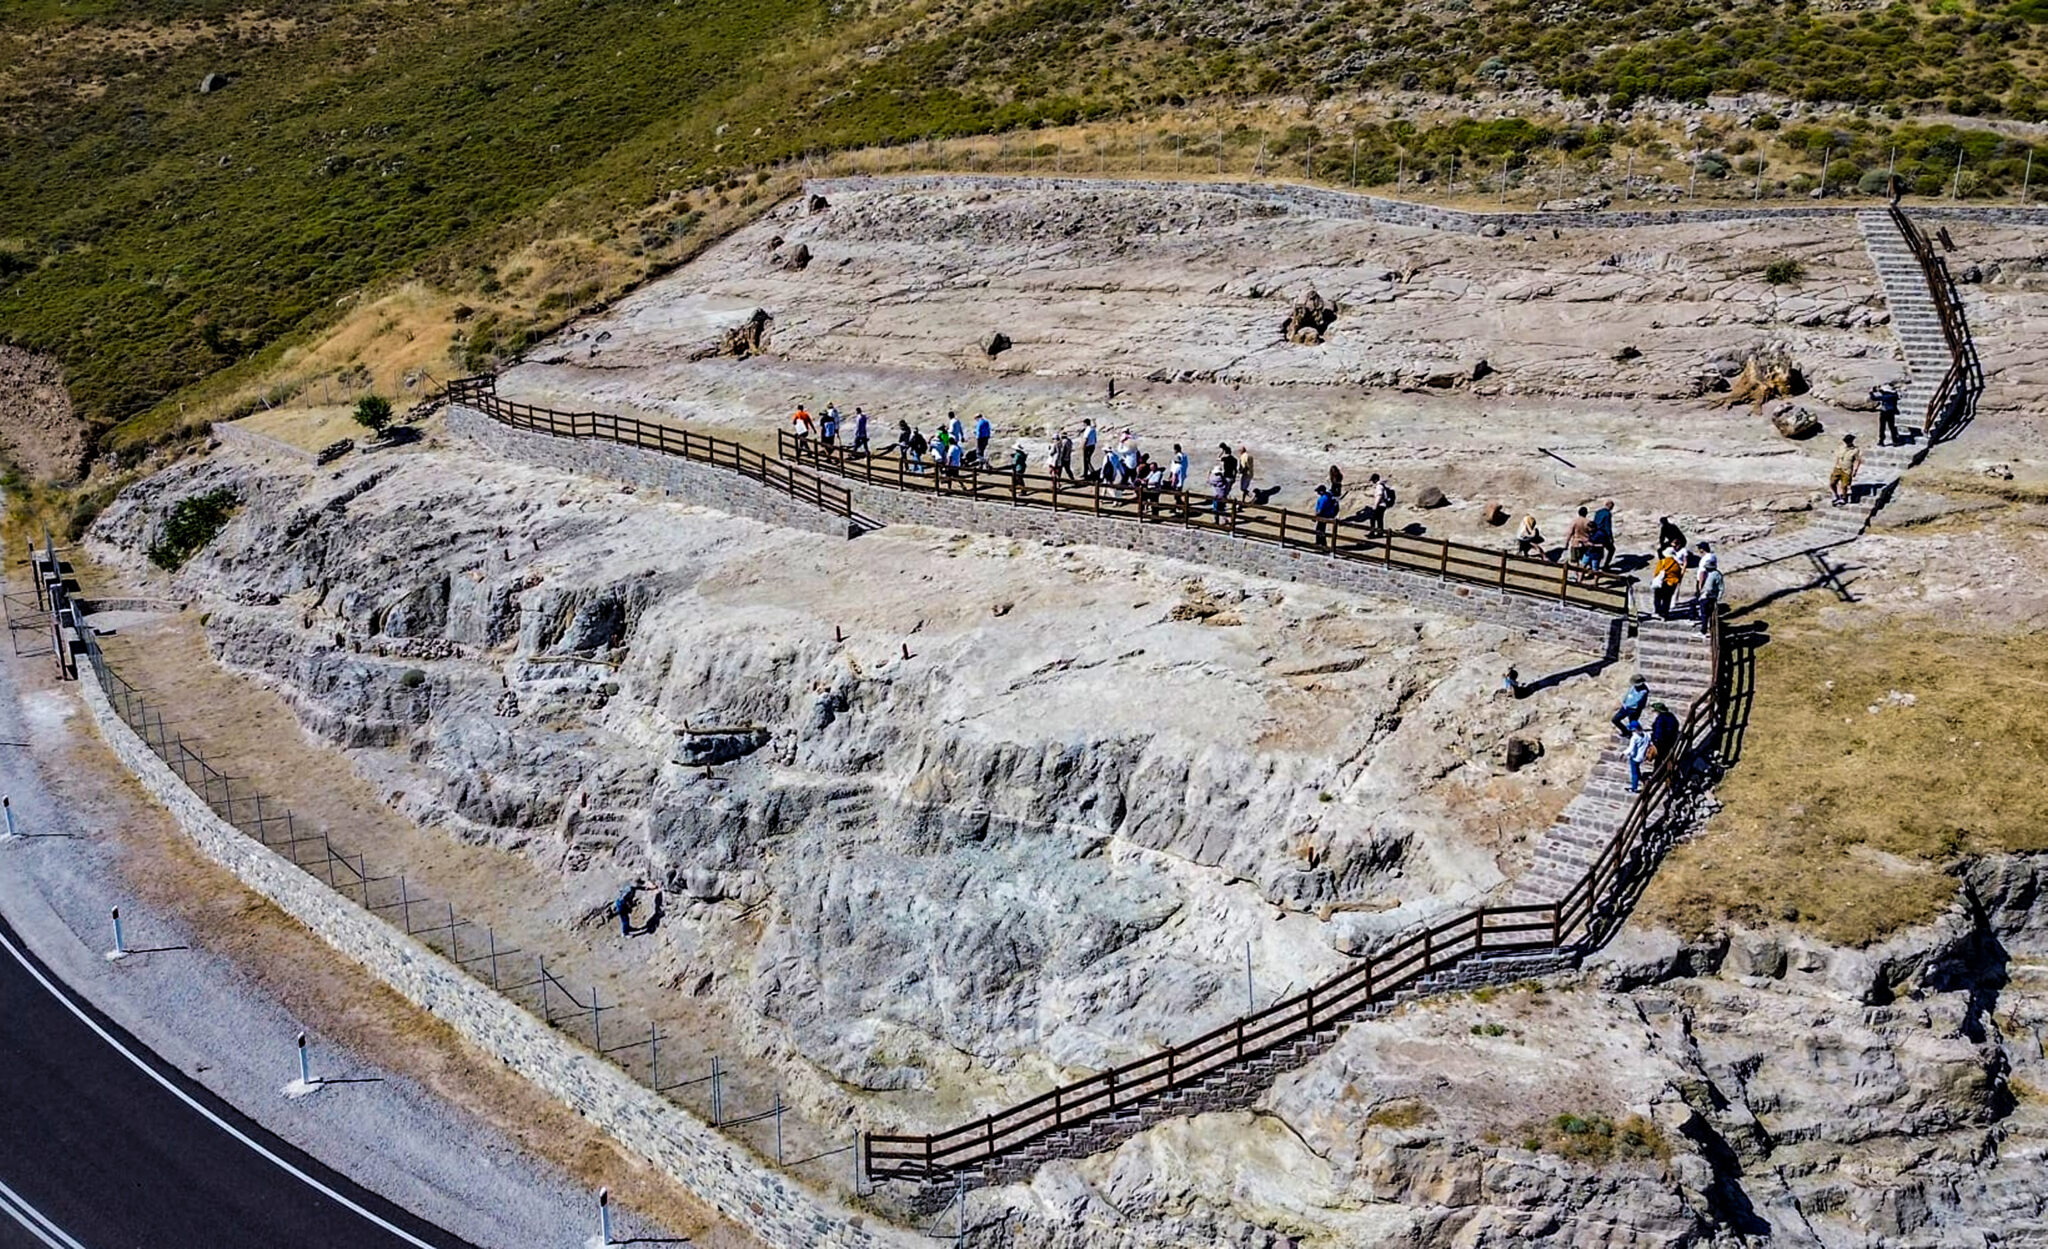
(1876, 758)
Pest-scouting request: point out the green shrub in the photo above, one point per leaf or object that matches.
(193, 522)
(373, 412)
(412, 679)
(1780, 272)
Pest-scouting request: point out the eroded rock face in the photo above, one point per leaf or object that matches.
(1754, 1088)
(1046, 835)
(37, 428)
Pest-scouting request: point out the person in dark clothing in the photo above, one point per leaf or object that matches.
(1886, 397)
(1603, 535)
(1669, 535)
(1325, 513)
(1663, 734)
(1632, 704)
(1229, 463)
(1336, 482)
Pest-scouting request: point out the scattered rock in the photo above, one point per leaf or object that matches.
(816, 205)
(334, 451)
(1492, 230)
(1313, 314)
(1584, 203)
(1520, 753)
(1794, 421)
(1496, 515)
(1431, 497)
(1628, 353)
(1000, 609)
(995, 344)
(212, 83)
(1767, 374)
(747, 338)
(796, 260)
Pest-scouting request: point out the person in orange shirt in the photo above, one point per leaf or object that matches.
(800, 425)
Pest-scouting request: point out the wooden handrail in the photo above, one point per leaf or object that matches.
(1955, 331)
(1378, 978)
(1260, 522)
(481, 394)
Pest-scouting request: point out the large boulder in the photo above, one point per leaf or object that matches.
(1310, 319)
(995, 344)
(1794, 421)
(1430, 497)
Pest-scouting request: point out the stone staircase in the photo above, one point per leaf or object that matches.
(1674, 657)
(1918, 326)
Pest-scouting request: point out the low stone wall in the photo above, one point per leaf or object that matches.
(234, 435)
(1353, 205)
(723, 1175)
(1580, 628)
(688, 480)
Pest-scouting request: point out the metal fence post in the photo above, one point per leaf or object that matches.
(7, 806)
(717, 1095)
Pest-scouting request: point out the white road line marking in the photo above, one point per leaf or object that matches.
(35, 1220)
(211, 1117)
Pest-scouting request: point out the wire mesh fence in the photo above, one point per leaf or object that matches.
(685, 1075)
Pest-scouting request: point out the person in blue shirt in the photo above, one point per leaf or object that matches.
(1325, 513)
(983, 431)
(1632, 704)
(860, 431)
(1603, 535)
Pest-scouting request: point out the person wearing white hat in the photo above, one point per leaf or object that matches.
(1712, 585)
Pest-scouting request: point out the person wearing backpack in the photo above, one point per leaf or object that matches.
(918, 446)
(1379, 497)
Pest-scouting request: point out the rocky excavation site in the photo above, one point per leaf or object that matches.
(940, 819)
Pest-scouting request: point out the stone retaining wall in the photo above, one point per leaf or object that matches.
(774, 1208)
(1581, 628)
(234, 435)
(688, 480)
(1352, 205)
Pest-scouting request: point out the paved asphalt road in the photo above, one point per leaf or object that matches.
(106, 1149)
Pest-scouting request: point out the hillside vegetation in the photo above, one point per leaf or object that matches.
(156, 235)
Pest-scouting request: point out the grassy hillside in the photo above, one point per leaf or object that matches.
(152, 235)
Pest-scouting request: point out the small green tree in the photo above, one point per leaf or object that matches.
(373, 412)
(1779, 272)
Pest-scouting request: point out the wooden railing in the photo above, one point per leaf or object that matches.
(481, 393)
(1342, 539)
(1952, 398)
(1580, 917)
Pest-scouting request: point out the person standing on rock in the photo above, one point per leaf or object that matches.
(983, 431)
(1632, 704)
(1087, 447)
(1842, 478)
(1665, 577)
(1712, 586)
(1244, 473)
(1180, 469)
(860, 430)
(1886, 397)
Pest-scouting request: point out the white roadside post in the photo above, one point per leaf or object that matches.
(604, 1216)
(7, 805)
(120, 950)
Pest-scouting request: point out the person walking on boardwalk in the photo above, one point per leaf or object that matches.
(1180, 468)
(1842, 477)
(1244, 473)
(1665, 576)
(1087, 447)
(1886, 397)
(983, 431)
(1018, 461)
(1219, 490)
(1712, 586)
(800, 425)
(828, 428)
(914, 447)
(1632, 704)
(1325, 514)
(1578, 540)
(1063, 455)
(1528, 539)
(1379, 496)
(1603, 535)
(860, 430)
(1226, 463)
